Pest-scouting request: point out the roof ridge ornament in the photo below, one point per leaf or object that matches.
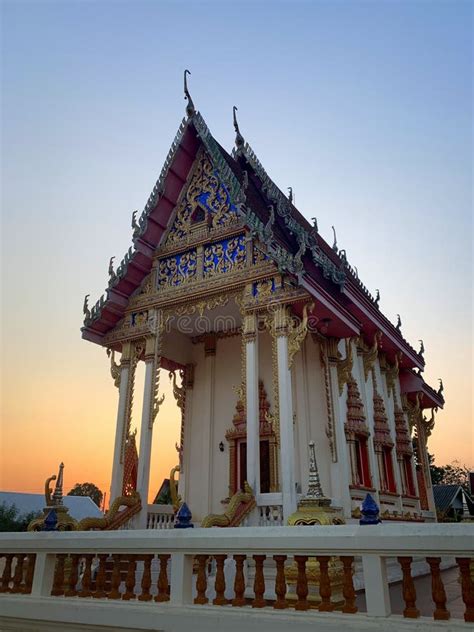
(85, 307)
(422, 348)
(334, 246)
(377, 299)
(315, 224)
(190, 109)
(290, 195)
(399, 323)
(239, 139)
(111, 268)
(441, 387)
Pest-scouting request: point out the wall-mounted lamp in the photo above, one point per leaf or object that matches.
(221, 446)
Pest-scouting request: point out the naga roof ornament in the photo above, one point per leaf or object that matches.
(190, 110)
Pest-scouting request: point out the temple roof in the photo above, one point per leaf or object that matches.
(293, 243)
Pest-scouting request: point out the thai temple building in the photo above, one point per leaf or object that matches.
(273, 343)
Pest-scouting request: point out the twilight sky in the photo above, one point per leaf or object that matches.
(364, 108)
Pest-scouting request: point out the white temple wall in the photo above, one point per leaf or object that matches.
(228, 378)
(311, 416)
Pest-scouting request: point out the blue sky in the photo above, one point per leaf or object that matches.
(364, 108)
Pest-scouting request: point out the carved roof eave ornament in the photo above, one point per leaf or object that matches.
(370, 355)
(344, 366)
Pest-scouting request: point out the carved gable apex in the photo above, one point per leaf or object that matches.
(204, 208)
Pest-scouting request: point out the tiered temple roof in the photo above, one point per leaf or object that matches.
(291, 242)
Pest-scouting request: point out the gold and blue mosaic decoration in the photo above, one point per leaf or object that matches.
(225, 255)
(206, 192)
(177, 269)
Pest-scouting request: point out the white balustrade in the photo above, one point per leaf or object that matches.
(160, 517)
(166, 579)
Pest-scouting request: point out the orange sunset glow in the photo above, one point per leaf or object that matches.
(375, 141)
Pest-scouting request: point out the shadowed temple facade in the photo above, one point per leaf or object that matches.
(273, 342)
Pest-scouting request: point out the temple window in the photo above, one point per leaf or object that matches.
(408, 471)
(362, 462)
(388, 475)
(237, 438)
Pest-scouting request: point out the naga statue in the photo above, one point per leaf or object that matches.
(175, 497)
(240, 505)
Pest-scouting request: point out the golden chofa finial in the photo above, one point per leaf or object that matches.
(190, 110)
(334, 246)
(398, 326)
(239, 139)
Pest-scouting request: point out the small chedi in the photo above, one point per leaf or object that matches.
(315, 509)
(55, 514)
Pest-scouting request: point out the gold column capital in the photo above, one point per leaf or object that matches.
(249, 327)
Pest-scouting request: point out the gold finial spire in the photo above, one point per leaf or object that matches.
(239, 139)
(334, 246)
(190, 110)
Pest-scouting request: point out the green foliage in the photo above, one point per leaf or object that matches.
(12, 520)
(87, 489)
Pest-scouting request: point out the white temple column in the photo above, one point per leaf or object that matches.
(149, 411)
(121, 425)
(252, 412)
(285, 400)
(206, 407)
(186, 452)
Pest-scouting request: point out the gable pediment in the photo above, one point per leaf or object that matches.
(205, 206)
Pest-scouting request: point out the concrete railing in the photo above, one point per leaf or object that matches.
(160, 517)
(196, 572)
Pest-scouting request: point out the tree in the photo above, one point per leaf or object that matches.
(456, 474)
(87, 489)
(12, 520)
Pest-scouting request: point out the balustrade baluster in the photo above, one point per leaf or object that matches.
(146, 579)
(73, 576)
(162, 585)
(99, 592)
(219, 584)
(301, 583)
(87, 577)
(437, 590)
(116, 578)
(30, 571)
(259, 582)
(348, 591)
(201, 580)
(18, 576)
(239, 581)
(130, 579)
(7, 574)
(467, 586)
(409, 591)
(58, 580)
(280, 583)
(324, 584)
